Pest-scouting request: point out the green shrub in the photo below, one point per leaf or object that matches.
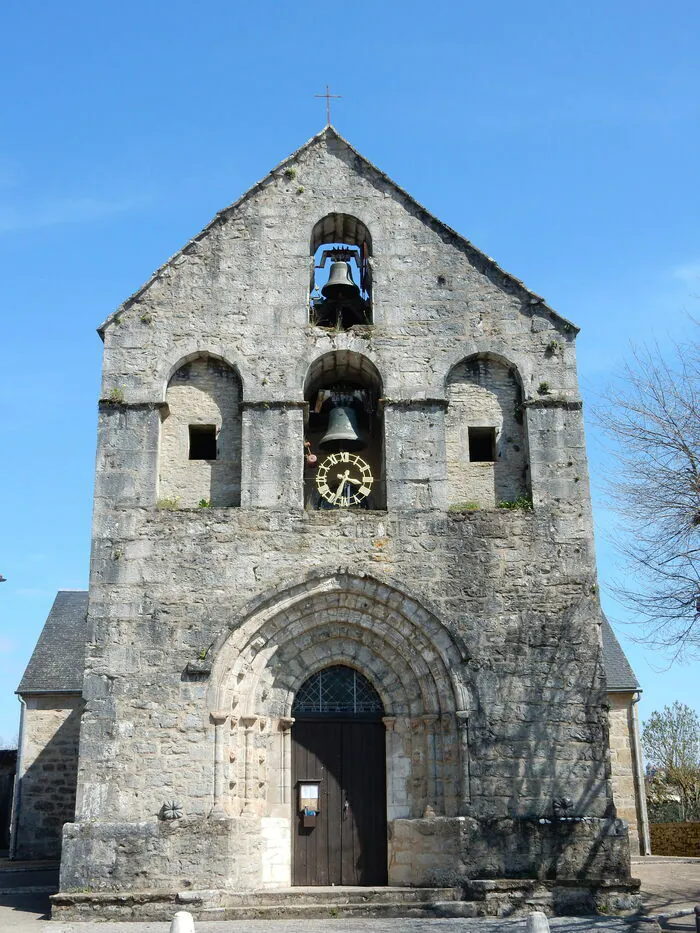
(522, 502)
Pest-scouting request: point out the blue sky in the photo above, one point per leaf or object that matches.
(561, 138)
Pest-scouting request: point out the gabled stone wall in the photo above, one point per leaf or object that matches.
(479, 629)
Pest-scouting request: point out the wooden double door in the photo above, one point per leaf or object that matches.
(348, 844)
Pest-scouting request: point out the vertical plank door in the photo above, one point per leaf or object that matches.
(348, 843)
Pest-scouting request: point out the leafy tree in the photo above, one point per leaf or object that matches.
(653, 417)
(671, 741)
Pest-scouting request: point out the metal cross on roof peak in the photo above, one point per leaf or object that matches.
(329, 97)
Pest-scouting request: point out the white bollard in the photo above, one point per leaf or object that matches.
(537, 923)
(183, 922)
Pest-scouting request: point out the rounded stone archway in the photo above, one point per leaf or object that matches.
(412, 659)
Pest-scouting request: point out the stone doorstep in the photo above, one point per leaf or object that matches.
(515, 897)
(221, 898)
(481, 888)
(387, 910)
(315, 895)
(483, 898)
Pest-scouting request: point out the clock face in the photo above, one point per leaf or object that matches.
(344, 479)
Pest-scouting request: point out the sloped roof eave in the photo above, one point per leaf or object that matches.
(619, 675)
(57, 662)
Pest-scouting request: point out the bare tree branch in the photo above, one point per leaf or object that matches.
(652, 415)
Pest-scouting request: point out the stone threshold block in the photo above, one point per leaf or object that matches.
(484, 898)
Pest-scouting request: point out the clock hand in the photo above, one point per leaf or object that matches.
(339, 490)
(350, 479)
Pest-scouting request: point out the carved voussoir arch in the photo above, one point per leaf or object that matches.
(407, 653)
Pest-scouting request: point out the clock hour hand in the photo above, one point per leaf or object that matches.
(349, 479)
(343, 479)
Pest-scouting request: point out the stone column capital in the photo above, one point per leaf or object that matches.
(285, 723)
(389, 722)
(248, 722)
(219, 716)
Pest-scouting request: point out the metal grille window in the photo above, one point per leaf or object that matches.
(336, 691)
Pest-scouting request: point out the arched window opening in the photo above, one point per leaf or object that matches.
(486, 444)
(341, 273)
(344, 440)
(337, 691)
(200, 442)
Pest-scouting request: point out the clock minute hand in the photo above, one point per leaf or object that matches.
(339, 490)
(350, 479)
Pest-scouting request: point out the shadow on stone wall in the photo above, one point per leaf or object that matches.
(8, 765)
(539, 747)
(47, 793)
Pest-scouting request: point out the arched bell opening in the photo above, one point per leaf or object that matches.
(200, 437)
(338, 762)
(485, 434)
(344, 434)
(341, 273)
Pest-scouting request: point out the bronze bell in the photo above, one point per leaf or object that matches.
(340, 283)
(342, 433)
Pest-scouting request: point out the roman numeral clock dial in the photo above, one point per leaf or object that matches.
(343, 479)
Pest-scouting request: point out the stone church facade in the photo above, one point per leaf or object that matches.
(343, 623)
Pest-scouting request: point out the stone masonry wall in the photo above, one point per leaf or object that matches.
(47, 783)
(485, 393)
(622, 764)
(479, 630)
(537, 729)
(678, 839)
(448, 851)
(202, 392)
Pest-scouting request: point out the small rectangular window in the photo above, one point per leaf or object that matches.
(202, 442)
(482, 445)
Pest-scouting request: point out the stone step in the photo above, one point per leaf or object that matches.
(330, 910)
(289, 903)
(477, 898)
(318, 896)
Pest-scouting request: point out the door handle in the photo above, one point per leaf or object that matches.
(346, 806)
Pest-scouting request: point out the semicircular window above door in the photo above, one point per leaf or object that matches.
(337, 691)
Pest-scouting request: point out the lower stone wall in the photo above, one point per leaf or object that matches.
(446, 851)
(679, 839)
(46, 785)
(170, 855)
(622, 764)
(232, 853)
